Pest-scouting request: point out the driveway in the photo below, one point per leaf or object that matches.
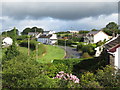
(71, 52)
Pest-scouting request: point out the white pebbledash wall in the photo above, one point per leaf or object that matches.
(117, 58)
(100, 36)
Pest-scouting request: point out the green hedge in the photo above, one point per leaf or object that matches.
(62, 42)
(33, 44)
(24, 43)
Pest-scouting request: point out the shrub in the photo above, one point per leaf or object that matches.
(11, 52)
(62, 42)
(107, 77)
(88, 80)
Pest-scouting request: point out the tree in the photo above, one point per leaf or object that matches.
(112, 26)
(33, 29)
(94, 30)
(12, 33)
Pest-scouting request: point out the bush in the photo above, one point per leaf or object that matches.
(89, 48)
(107, 77)
(11, 52)
(62, 42)
(88, 80)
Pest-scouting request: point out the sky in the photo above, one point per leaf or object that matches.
(58, 15)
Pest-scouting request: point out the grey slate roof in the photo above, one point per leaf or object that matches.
(113, 43)
(45, 36)
(94, 32)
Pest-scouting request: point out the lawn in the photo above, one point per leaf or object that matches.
(46, 53)
(52, 52)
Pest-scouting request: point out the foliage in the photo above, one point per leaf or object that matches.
(107, 77)
(24, 43)
(33, 29)
(11, 52)
(111, 28)
(83, 32)
(112, 25)
(89, 48)
(94, 30)
(11, 33)
(65, 42)
(77, 39)
(88, 80)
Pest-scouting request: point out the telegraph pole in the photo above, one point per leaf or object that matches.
(28, 45)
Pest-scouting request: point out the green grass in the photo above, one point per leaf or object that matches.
(46, 53)
(52, 52)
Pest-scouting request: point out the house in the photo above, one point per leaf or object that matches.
(96, 36)
(47, 39)
(34, 34)
(73, 31)
(48, 32)
(7, 42)
(113, 48)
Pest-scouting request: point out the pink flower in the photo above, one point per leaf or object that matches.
(61, 72)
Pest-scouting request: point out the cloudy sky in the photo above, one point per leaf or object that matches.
(58, 16)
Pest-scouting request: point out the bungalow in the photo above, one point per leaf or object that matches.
(48, 32)
(7, 42)
(96, 36)
(113, 48)
(34, 34)
(47, 39)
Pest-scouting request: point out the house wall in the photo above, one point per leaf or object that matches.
(53, 41)
(44, 40)
(117, 58)
(100, 36)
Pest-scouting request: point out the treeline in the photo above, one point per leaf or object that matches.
(24, 32)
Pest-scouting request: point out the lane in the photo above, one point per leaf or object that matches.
(71, 52)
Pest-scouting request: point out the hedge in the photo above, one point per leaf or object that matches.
(24, 43)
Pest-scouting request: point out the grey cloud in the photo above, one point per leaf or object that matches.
(65, 10)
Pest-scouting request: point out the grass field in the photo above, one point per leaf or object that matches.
(46, 53)
(52, 52)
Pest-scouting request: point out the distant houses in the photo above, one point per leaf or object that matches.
(96, 36)
(48, 37)
(73, 31)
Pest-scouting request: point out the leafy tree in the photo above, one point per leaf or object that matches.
(11, 33)
(33, 29)
(94, 30)
(83, 32)
(111, 28)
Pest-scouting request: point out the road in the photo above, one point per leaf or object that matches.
(71, 52)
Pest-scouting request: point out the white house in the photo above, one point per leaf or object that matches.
(48, 32)
(96, 36)
(34, 34)
(113, 48)
(7, 42)
(99, 51)
(48, 39)
(73, 31)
